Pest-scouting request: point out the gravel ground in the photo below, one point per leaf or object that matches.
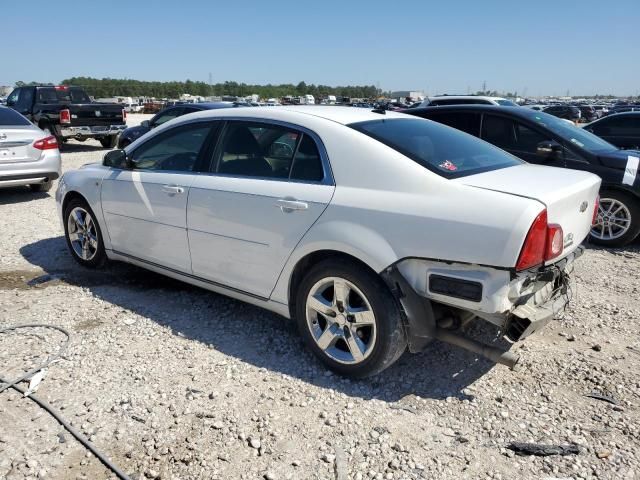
(171, 381)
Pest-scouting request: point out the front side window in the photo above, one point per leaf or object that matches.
(445, 151)
(13, 98)
(251, 149)
(572, 134)
(175, 150)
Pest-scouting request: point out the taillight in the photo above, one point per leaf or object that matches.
(65, 116)
(544, 242)
(595, 211)
(124, 115)
(555, 242)
(47, 143)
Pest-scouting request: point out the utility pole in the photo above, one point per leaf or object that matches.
(210, 84)
(484, 86)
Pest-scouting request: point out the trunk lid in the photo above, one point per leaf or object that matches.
(568, 195)
(16, 144)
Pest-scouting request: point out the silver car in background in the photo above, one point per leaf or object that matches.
(28, 155)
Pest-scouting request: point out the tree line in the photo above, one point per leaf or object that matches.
(115, 87)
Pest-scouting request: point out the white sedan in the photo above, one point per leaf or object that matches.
(375, 231)
(28, 155)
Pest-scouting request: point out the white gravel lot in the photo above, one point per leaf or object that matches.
(174, 382)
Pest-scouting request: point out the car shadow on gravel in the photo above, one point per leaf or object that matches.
(9, 196)
(80, 147)
(440, 371)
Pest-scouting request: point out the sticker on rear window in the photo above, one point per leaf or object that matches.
(448, 165)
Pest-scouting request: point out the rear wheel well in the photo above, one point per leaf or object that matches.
(308, 262)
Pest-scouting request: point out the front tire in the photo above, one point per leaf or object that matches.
(109, 142)
(83, 235)
(618, 220)
(348, 318)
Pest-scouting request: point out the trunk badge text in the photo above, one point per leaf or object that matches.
(583, 206)
(3, 136)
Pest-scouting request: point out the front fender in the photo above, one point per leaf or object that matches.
(341, 236)
(87, 182)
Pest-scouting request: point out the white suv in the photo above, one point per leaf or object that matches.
(466, 100)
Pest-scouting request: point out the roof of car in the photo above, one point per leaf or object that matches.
(340, 114)
(457, 97)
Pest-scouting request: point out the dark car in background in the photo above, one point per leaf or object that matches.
(620, 129)
(568, 112)
(67, 112)
(537, 137)
(131, 134)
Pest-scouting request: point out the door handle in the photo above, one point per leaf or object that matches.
(172, 189)
(288, 205)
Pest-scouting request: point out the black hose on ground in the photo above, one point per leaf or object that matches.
(78, 436)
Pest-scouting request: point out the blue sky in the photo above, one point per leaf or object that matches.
(545, 47)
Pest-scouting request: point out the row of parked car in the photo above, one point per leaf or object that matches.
(377, 231)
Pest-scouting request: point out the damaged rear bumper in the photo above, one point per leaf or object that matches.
(519, 303)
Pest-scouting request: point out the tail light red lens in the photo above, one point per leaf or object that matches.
(124, 115)
(65, 116)
(555, 242)
(47, 143)
(595, 211)
(544, 242)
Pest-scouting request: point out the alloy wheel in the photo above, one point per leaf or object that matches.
(341, 320)
(613, 220)
(83, 234)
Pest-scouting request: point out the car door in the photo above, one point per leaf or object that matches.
(268, 184)
(145, 206)
(518, 139)
(623, 132)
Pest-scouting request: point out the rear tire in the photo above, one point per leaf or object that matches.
(618, 222)
(109, 142)
(41, 187)
(361, 333)
(81, 229)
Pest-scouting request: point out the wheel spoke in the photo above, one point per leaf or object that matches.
(319, 304)
(356, 346)
(362, 317)
(340, 292)
(77, 218)
(74, 237)
(327, 339)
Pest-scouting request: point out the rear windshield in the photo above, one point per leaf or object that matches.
(11, 117)
(67, 95)
(444, 150)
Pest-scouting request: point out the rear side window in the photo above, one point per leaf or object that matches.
(62, 95)
(446, 151)
(261, 150)
(9, 116)
(498, 131)
(467, 122)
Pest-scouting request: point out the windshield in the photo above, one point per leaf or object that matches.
(446, 151)
(11, 117)
(573, 134)
(506, 103)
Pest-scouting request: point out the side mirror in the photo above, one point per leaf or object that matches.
(116, 159)
(549, 149)
(145, 124)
